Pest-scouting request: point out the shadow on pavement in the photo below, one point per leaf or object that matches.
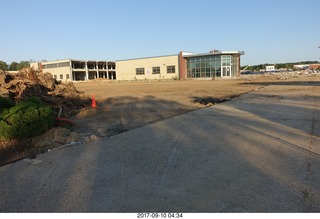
(240, 156)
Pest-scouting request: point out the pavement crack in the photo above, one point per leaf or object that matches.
(174, 151)
(306, 190)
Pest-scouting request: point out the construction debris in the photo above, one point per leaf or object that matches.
(283, 75)
(29, 82)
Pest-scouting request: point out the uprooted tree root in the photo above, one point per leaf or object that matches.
(29, 82)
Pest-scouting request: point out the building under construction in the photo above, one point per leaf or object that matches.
(77, 70)
(185, 65)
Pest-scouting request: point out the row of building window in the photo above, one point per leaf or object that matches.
(156, 70)
(56, 65)
(211, 66)
(81, 65)
(61, 76)
(93, 65)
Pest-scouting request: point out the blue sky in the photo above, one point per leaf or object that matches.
(269, 31)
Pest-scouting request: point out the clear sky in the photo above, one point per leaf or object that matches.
(268, 31)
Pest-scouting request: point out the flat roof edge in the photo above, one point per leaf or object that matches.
(150, 57)
(55, 61)
(72, 60)
(215, 53)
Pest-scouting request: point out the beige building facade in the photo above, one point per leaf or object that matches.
(60, 69)
(162, 67)
(185, 65)
(77, 70)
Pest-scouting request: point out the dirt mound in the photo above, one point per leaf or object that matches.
(29, 82)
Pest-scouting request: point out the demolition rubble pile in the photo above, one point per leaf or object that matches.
(283, 75)
(29, 82)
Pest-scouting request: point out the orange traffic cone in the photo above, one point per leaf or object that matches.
(93, 102)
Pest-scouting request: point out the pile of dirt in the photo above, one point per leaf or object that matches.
(29, 82)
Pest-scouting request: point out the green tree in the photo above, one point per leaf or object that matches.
(23, 64)
(13, 66)
(3, 65)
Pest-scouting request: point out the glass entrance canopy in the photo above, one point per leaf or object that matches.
(212, 65)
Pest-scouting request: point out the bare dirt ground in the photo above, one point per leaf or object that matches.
(127, 105)
(123, 106)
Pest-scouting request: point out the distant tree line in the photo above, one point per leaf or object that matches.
(14, 66)
(288, 65)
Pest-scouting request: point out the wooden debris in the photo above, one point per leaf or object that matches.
(28, 82)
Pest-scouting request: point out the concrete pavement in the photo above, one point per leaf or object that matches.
(256, 153)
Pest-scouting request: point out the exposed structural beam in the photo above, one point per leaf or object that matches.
(88, 70)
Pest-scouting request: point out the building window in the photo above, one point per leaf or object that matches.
(226, 60)
(49, 66)
(68, 76)
(155, 70)
(63, 64)
(56, 65)
(61, 76)
(171, 69)
(55, 77)
(139, 71)
(204, 67)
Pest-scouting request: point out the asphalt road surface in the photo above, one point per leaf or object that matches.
(256, 153)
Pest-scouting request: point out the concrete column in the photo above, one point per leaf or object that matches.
(87, 71)
(107, 70)
(71, 75)
(238, 66)
(97, 66)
